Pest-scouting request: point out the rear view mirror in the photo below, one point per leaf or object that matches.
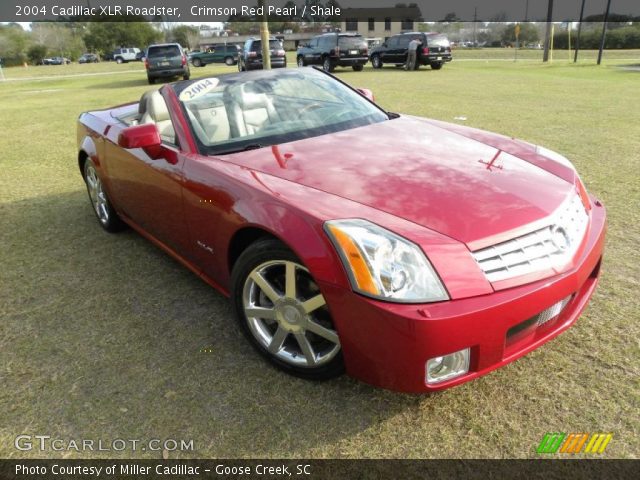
(140, 136)
(368, 94)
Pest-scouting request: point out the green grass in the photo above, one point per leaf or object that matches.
(104, 336)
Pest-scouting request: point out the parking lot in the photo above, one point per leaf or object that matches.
(104, 336)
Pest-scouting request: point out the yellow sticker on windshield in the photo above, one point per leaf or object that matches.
(198, 89)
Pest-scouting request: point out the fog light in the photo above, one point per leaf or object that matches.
(447, 367)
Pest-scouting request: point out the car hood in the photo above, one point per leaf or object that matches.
(464, 183)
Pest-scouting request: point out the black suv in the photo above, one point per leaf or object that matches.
(435, 50)
(250, 57)
(333, 50)
(166, 60)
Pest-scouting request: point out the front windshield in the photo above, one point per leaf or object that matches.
(250, 110)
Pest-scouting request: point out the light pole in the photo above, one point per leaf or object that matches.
(604, 31)
(547, 37)
(264, 37)
(575, 57)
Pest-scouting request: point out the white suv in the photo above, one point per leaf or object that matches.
(123, 55)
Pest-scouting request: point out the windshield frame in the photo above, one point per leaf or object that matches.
(252, 142)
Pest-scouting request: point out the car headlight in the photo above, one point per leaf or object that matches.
(384, 265)
(551, 155)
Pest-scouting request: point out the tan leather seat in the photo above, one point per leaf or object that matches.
(251, 112)
(156, 111)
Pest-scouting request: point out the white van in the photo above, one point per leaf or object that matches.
(123, 55)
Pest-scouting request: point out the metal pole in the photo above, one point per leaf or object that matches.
(547, 37)
(264, 37)
(575, 57)
(516, 30)
(475, 20)
(604, 31)
(569, 39)
(553, 29)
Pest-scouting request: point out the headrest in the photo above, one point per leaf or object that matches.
(248, 96)
(142, 106)
(156, 107)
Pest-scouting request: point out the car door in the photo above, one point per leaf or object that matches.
(149, 190)
(402, 49)
(212, 55)
(309, 51)
(387, 53)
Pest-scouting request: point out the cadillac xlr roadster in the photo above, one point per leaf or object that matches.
(411, 253)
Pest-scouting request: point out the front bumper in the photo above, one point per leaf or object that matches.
(388, 344)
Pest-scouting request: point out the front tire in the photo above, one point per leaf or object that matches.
(300, 61)
(151, 80)
(327, 65)
(106, 214)
(376, 62)
(119, 60)
(282, 312)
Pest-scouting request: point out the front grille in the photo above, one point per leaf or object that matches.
(540, 319)
(552, 312)
(550, 247)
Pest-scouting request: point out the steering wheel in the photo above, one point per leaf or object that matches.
(309, 108)
(336, 115)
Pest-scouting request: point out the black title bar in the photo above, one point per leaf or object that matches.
(575, 469)
(194, 11)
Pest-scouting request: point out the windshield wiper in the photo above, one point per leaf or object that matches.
(392, 115)
(251, 146)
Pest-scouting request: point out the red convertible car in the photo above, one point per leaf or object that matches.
(413, 254)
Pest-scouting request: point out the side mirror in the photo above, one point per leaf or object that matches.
(368, 94)
(140, 136)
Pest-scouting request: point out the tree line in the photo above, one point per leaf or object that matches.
(72, 39)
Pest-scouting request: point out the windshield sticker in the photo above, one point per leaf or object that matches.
(198, 88)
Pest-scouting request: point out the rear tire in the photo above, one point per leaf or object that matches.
(186, 77)
(119, 60)
(229, 61)
(151, 80)
(299, 338)
(301, 62)
(376, 62)
(197, 62)
(357, 68)
(436, 66)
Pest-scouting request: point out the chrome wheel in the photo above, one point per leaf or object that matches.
(287, 314)
(97, 195)
(228, 61)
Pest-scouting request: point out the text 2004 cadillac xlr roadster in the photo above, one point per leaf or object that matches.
(413, 254)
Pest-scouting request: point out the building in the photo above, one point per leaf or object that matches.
(381, 22)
